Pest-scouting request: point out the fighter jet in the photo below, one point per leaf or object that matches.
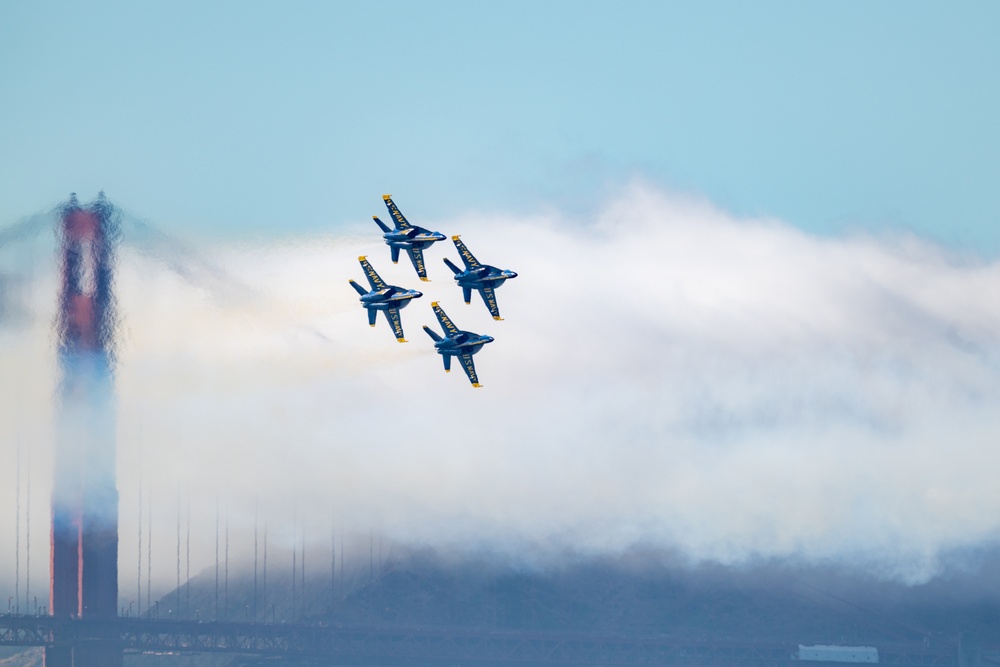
(481, 277)
(457, 343)
(387, 298)
(407, 237)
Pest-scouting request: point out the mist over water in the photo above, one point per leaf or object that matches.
(667, 376)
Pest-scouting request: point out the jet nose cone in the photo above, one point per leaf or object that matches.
(511, 274)
(488, 339)
(416, 294)
(438, 236)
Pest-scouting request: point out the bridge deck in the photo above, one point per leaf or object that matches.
(399, 646)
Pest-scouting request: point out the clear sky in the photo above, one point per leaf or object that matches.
(269, 118)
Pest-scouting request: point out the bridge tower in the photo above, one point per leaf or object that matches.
(84, 546)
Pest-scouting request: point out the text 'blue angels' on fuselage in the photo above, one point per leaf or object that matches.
(457, 343)
(405, 236)
(387, 298)
(477, 276)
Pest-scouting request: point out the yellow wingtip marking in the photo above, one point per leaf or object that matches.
(361, 257)
(372, 326)
(426, 280)
(477, 385)
(447, 370)
(402, 340)
(456, 237)
(374, 217)
(396, 262)
(386, 197)
(434, 303)
(498, 318)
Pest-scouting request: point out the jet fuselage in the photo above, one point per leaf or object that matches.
(464, 342)
(390, 297)
(483, 276)
(416, 238)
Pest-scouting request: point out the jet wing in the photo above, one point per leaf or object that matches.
(470, 369)
(417, 257)
(470, 260)
(376, 281)
(490, 299)
(392, 315)
(397, 217)
(445, 321)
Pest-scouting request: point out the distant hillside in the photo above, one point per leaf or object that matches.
(637, 595)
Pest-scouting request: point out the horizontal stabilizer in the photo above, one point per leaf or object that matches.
(384, 227)
(433, 334)
(454, 269)
(358, 288)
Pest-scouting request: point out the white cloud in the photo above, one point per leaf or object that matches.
(666, 375)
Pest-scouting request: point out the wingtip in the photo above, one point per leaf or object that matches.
(456, 237)
(386, 197)
(476, 385)
(402, 340)
(447, 370)
(426, 280)
(361, 257)
(372, 326)
(498, 318)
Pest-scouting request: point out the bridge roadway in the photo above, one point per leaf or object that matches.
(425, 646)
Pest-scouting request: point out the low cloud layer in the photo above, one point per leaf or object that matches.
(666, 376)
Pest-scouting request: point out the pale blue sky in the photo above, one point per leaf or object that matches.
(271, 118)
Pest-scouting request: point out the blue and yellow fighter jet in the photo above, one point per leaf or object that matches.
(407, 237)
(477, 276)
(457, 343)
(387, 298)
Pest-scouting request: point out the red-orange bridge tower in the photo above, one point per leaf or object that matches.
(84, 553)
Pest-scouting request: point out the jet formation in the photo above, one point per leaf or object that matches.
(390, 299)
